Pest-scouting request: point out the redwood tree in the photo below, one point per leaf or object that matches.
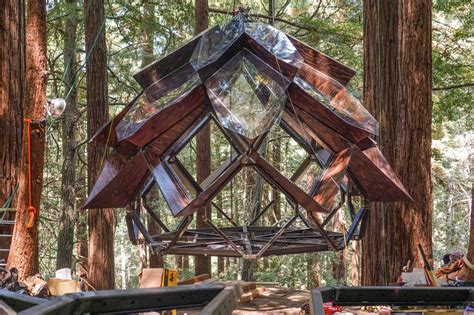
(69, 143)
(397, 91)
(101, 222)
(202, 264)
(24, 252)
(12, 65)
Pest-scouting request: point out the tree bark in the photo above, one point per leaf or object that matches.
(12, 92)
(397, 91)
(101, 222)
(202, 264)
(69, 140)
(24, 246)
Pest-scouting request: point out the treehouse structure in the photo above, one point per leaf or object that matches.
(247, 78)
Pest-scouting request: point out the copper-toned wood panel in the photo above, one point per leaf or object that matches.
(118, 183)
(213, 188)
(374, 176)
(328, 187)
(291, 189)
(107, 134)
(303, 100)
(161, 144)
(164, 66)
(288, 70)
(172, 189)
(169, 117)
(328, 138)
(323, 63)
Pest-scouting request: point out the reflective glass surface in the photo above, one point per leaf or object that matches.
(338, 99)
(215, 42)
(247, 95)
(156, 97)
(275, 42)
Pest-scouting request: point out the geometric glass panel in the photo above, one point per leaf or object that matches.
(156, 97)
(343, 103)
(276, 42)
(247, 95)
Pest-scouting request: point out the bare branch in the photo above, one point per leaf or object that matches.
(452, 87)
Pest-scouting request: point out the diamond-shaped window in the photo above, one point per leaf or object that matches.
(247, 95)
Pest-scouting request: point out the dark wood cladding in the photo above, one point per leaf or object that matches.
(164, 66)
(213, 188)
(107, 134)
(375, 177)
(118, 183)
(303, 100)
(162, 143)
(333, 175)
(286, 69)
(269, 172)
(172, 189)
(168, 117)
(328, 137)
(323, 63)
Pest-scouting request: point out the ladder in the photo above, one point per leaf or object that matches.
(7, 222)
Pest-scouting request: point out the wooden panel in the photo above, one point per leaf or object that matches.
(164, 66)
(374, 176)
(161, 144)
(327, 188)
(118, 183)
(171, 187)
(323, 63)
(288, 70)
(213, 188)
(291, 189)
(306, 102)
(107, 134)
(329, 138)
(169, 117)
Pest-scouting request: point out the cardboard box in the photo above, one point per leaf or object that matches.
(62, 286)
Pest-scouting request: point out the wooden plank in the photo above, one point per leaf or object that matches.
(170, 117)
(300, 98)
(118, 183)
(290, 188)
(322, 62)
(171, 188)
(327, 189)
(164, 66)
(374, 175)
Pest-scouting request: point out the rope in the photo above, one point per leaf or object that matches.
(31, 209)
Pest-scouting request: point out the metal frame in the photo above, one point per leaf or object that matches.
(392, 296)
(214, 298)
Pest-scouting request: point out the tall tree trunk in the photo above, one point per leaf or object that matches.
(355, 262)
(24, 247)
(101, 222)
(340, 262)
(202, 264)
(69, 140)
(397, 91)
(12, 92)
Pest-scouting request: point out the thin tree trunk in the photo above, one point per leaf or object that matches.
(24, 246)
(101, 222)
(69, 140)
(12, 92)
(355, 261)
(397, 91)
(202, 264)
(340, 262)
